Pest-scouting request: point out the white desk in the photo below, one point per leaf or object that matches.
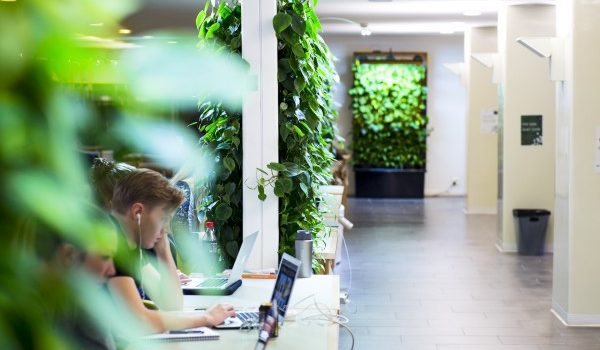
(298, 334)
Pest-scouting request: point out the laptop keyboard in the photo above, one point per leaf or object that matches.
(214, 282)
(251, 316)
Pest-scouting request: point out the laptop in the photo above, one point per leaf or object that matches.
(223, 286)
(282, 292)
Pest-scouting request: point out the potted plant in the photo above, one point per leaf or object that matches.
(389, 125)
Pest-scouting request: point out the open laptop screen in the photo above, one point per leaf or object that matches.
(288, 270)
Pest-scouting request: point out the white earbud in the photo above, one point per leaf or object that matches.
(138, 216)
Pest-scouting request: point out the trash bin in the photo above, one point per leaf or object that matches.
(532, 226)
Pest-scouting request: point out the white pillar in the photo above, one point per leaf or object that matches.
(482, 141)
(576, 285)
(260, 129)
(526, 173)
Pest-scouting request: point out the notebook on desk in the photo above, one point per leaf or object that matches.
(192, 334)
(223, 286)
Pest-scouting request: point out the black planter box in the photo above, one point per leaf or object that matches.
(389, 183)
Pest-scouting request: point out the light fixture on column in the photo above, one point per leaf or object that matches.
(551, 48)
(490, 60)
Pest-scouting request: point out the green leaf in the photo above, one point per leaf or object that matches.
(232, 248)
(298, 25)
(261, 193)
(298, 50)
(285, 184)
(236, 42)
(281, 21)
(229, 163)
(298, 131)
(304, 188)
(200, 18)
(276, 167)
(223, 212)
(212, 29)
(299, 84)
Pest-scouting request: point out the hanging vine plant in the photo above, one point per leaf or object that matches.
(306, 121)
(220, 129)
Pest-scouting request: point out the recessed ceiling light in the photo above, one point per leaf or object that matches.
(172, 42)
(472, 13)
(446, 31)
(99, 24)
(124, 31)
(8, 0)
(148, 37)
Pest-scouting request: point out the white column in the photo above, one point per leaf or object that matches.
(482, 141)
(260, 129)
(576, 260)
(526, 173)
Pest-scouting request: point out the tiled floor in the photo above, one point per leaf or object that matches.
(425, 276)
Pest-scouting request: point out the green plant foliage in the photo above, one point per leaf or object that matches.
(221, 131)
(42, 177)
(389, 124)
(306, 121)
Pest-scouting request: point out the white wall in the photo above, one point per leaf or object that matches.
(446, 153)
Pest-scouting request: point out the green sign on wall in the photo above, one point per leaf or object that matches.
(531, 130)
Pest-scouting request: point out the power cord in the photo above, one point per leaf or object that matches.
(346, 298)
(329, 317)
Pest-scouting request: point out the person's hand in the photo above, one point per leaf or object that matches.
(162, 248)
(218, 313)
(183, 278)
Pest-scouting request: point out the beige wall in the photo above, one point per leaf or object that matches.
(577, 261)
(482, 148)
(527, 171)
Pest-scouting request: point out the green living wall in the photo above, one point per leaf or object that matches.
(221, 131)
(389, 121)
(306, 119)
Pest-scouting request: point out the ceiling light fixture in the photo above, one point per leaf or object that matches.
(124, 31)
(472, 13)
(364, 27)
(99, 24)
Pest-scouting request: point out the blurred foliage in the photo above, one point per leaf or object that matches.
(389, 124)
(42, 176)
(306, 121)
(46, 115)
(221, 131)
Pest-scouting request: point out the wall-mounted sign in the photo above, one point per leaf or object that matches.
(531, 130)
(489, 121)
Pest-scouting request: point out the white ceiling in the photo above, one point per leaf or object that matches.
(342, 17)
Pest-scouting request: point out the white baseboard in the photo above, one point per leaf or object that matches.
(481, 211)
(575, 320)
(512, 248)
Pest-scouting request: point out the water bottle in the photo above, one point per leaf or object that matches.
(304, 252)
(211, 237)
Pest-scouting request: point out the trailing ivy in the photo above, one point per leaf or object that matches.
(306, 120)
(389, 124)
(220, 130)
